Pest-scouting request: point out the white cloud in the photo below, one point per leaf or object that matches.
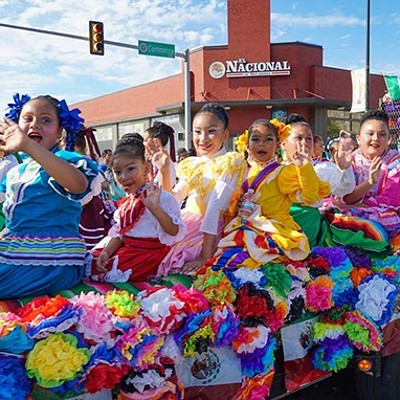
(315, 21)
(34, 62)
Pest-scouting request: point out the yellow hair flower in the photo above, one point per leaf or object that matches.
(241, 141)
(283, 130)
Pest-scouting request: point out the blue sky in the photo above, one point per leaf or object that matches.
(41, 64)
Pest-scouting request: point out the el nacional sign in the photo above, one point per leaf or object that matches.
(241, 68)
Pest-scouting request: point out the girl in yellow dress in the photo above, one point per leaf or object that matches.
(263, 230)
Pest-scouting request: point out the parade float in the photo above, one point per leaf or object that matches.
(219, 335)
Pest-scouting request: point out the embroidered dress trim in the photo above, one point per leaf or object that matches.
(42, 251)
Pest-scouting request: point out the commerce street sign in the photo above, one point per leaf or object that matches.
(156, 49)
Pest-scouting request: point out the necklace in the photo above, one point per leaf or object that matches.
(254, 163)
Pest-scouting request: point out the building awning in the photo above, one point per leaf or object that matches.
(271, 103)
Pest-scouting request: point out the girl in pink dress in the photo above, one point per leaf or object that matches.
(375, 201)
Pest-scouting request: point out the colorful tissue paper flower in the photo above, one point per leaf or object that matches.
(122, 304)
(216, 287)
(334, 255)
(256, 388)
(42, 308)
(196, 330)
(358, 274)
(157, 382)
(296, 308)
(104, 376)
(243, 275)
(139, 345)
(95, 323)
(259, 361)
(106, 368)
(198, 341)
(319, 294)
(376, 298)
(278, 279)
(342, 294)
(389, 267)
(255, 305)
(16, 342)
(46, 315)
(14, 383)
(13, 337)
(59, 322)
(332, 354)
(362, 332)
(192, 298)
(249, 339)
(9, 321)
(343, 289)
(358, 257)
(324, 330)
(318, 266)
(162, 311)
(56, 359)
(225, 325)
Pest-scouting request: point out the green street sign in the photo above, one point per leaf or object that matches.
(156, 49)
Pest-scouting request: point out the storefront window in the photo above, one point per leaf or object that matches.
(342, 119)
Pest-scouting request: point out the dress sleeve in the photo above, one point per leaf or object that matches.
(342, 182)
(170, 205)
(115, 229)
(303, 184)
(389, 193)
(184, 174)
(88, 168)
(229, 172)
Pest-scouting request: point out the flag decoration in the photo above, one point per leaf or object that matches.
(359, 82)
(393, 86)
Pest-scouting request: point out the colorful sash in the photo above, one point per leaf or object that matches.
(131, 208)
(259, 178)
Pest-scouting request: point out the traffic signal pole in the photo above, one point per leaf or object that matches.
(185, 56)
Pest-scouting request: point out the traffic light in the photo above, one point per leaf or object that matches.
(96, 38)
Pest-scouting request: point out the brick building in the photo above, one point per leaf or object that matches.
(252, 77)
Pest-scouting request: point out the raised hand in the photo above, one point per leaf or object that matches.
(151, 196)
(161, 159)
(375, 170)
(12, 138)
(152, 145)
(344, 154)
(302, 154)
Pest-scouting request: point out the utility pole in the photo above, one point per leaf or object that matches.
(367, 60)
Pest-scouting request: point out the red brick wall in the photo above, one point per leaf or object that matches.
(334, 83)
(136, 101)
(301, 57)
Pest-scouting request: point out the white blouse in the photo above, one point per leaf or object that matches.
(149, 227)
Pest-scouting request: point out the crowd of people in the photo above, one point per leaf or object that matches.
(141, 213)
(277, 196)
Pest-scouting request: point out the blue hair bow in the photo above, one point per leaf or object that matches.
(16, 107)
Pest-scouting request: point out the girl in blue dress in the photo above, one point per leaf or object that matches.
(41, 250)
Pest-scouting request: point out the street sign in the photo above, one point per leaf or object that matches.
(156, 49)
